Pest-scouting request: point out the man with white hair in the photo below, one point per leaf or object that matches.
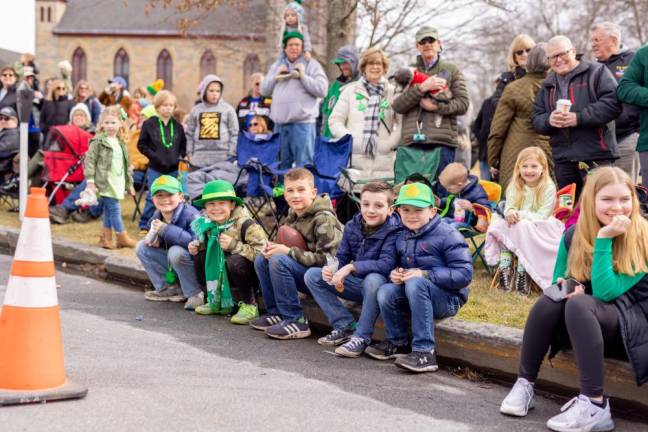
(580, 126)
(605, 38)
(254, 104)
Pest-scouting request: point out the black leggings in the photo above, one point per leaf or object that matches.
(592, 327)
(240, 272)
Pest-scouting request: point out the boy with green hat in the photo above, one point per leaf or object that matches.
(163, 252)
(433, 271)
(227, 241)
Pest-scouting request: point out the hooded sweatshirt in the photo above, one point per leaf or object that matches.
(212, 129)
(295, 100)
(321, 230)
(350, 54)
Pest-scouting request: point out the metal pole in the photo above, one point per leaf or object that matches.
(24, 160)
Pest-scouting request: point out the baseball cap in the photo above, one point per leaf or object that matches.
(28, 71)
(427, 32)
(416, 195)
(119, 80)
(8, 112)
(166, 183)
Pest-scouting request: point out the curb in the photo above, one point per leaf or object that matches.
(488, 347)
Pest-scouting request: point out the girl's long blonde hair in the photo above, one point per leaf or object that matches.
(114, 111)
(629, 250)
(517, 183)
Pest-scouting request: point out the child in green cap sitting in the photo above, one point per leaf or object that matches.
(227, 241)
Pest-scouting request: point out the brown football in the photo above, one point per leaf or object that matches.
(289, 236)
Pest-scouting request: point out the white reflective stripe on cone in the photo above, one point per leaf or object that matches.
(31, 292)
(35, 241)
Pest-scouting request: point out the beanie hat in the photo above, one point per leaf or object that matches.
(298, 8)
(80, 107)
(291, 35)
(155, 87)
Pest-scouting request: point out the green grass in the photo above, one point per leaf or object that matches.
(484, 304)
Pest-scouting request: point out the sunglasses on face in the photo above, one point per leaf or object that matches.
(427, 40)
(522, 51)
(8, 75)
(4, 118)
(60, 88)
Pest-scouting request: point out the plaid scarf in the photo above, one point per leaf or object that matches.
(372, 116)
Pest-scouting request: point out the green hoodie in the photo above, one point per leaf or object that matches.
(321, 230)
(633, 89)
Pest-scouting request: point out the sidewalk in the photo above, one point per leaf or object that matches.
(487, 347)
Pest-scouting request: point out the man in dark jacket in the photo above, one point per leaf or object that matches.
(254, 104)
(9, 139)
(606, 47)
(8, 78)
(584, 131)
(481, 129)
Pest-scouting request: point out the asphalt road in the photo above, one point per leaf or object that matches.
(154, 367)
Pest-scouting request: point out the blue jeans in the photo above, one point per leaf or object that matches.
(426, 302)
(297, 144)
(484, 171)
(455, 224)
(446, 157)
(149, 208)
(357, 290)
(68, 203)
(156, 262)
(280, 278)
(112, 214)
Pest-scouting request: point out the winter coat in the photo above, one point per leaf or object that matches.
(633, 89)
(255, 236)
(10, 98)
(347, 118)
(321, 231)
(54, 113)
(473, 192)
(481, 127)
(592, 91)
(98, 159)
(372, 254)
(512, 129)
(407, 104)
(632, 309)
(350, 54)
(9, 141)
(162, 159)
(262, 108)
(95, 109)
(628, 122)
(178, 232)
(295, 100)
(505, 79)
(440, 250)
(212, 129)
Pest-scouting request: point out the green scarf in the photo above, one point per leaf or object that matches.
(219, 295)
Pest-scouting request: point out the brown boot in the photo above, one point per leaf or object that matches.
(106, 239)
(123, 241)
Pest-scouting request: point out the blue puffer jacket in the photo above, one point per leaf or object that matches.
(473, 192)
(178, 232)
(442, 251)
(374, 254)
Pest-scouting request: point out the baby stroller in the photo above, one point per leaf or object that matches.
(63, 161)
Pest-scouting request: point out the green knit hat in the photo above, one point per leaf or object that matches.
(290, 35)
(166, 183)
(416, 195)
(218, 190)
(155, 87)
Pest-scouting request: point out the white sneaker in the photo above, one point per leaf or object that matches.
(581, 415)
(194, 301)
(519, 400)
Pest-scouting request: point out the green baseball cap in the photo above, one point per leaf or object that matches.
(340, 60)
(166, 183)
(427, 32)
(416, 195)
(218, 190)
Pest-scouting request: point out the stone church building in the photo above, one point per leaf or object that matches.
(104, 38)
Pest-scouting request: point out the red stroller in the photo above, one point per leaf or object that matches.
(63, 162)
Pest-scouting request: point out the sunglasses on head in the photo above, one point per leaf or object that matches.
(427, 40)
(522, 51)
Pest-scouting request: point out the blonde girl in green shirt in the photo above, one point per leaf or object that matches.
(108, 173)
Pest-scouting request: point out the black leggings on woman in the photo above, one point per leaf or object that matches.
(240, 272)
(593, 329)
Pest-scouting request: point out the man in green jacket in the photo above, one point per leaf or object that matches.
(347, 61)
(633, 89)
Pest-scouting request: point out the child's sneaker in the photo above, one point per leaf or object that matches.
(207, 309)
(245, 314)
(418, 361)
(522, 283)
(353, 348)
(336, 337)
(289, 329)
(519, 400)
(386, 350)
(506, 278)
(195, 301)
(580, 414)
(265, 322)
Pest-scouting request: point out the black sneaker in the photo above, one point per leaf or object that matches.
(386, 350)
(81, 216)
(418, 361)
(522, 283)
(289, 329)
(264, 322)
(58, 214)
(354, 348)
(336, 337)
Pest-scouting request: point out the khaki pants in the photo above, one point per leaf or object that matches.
(628, 157)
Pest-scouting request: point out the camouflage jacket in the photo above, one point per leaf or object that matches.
(321, 230)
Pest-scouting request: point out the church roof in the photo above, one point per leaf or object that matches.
(234, 20)
(8, 57)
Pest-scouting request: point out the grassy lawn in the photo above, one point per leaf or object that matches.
(484, 305)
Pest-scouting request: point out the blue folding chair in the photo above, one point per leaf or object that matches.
(258, 156)
(331, 157)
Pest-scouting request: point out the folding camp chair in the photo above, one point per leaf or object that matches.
(258, 156)
(8, 181)
(140, 194)
(565, 202)
(476, 237)
(331, 157)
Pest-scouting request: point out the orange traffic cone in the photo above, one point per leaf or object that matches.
(31, 349)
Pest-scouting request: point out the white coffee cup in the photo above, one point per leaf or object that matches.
(563, 105)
